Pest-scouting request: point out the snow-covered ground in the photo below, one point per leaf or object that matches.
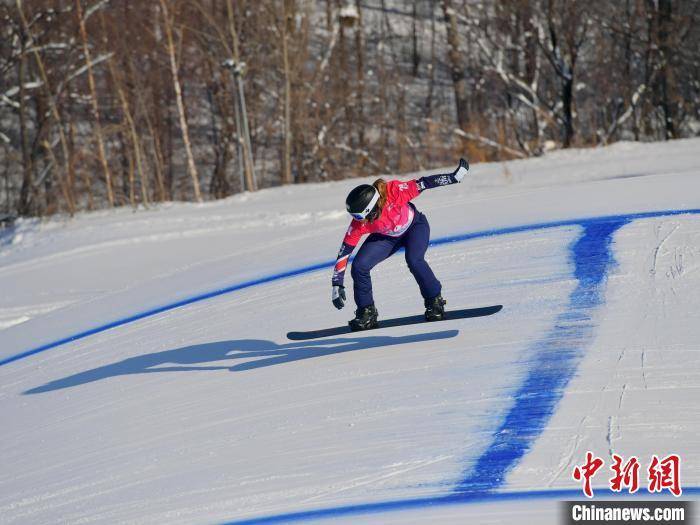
(118, 405)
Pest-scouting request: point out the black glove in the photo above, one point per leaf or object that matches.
(461, 170)
(338, 296)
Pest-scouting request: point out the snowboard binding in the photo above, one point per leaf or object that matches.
(435, 308)
(365, 318)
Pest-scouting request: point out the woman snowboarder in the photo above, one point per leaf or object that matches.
(384, 210)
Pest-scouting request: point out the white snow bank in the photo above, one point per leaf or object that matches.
(207, 413)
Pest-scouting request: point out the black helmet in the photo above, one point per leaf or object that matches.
(363, 202)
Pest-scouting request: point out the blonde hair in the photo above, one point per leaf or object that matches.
(380, 184)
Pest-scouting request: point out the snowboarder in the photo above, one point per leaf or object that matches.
(384, 211)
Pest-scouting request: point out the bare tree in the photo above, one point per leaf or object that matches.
(457, 71)
(191, 167)
(94, 103)
(321, 89)
(562, 31)
(66, 182)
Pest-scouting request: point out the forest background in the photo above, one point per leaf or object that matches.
(114, 102)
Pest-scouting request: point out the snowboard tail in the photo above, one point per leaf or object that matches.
(465, 313)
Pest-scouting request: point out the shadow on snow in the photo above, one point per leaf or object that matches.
(187, 358)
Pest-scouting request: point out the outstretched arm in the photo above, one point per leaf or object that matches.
(445, 179)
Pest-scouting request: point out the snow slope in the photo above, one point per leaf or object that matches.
(145, 375)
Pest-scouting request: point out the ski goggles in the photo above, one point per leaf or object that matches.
(369, 210)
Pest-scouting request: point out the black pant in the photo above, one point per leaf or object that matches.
(379, 247)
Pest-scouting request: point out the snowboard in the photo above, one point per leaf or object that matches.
(397, 321)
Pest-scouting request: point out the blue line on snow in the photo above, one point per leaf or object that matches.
(165, 308)
(323, 265)
(452, 500)
(551, 362)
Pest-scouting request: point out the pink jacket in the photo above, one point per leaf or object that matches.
(396, 216)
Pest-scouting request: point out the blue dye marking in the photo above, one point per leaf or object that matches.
(453, 500)
(167, 307)
(324, 265)
(558, 224)
(551, 362)
(554, 362)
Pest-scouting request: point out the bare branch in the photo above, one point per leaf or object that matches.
(488, 142)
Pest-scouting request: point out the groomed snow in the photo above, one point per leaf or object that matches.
(206, 413)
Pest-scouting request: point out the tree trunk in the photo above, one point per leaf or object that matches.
(25, 194)
(433, 62)
(191, 168)
(360, 69)
(567, 101)
(665, 27)
(287, 151)
(157, 157)
(94, 105)
(415, 55)
(136, 143)
(67, 180)
(454, 56)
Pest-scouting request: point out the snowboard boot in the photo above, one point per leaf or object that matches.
(435, 308)
(365, 318)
